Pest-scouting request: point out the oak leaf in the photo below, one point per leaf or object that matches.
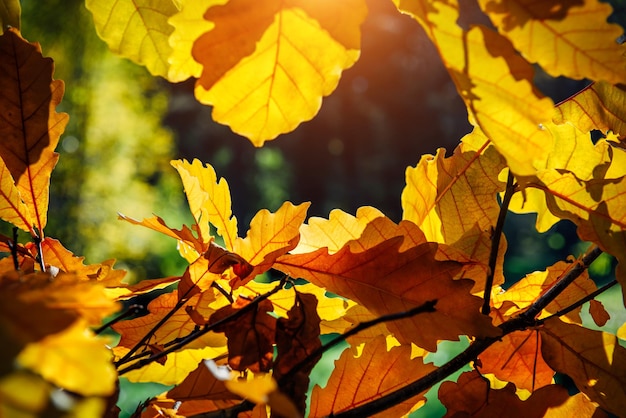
(493, 80)
(471, 396)
(32, 126)
(250, 337)
(567, 38)
(73, 359)
(376, 372)
(136, 29)
(268, 64)
(594, 360)
(385, 280)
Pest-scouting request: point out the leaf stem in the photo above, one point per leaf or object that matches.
(132, 310)
(495, 241)
(582, 301)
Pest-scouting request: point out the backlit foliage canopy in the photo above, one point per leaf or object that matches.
(230, 343)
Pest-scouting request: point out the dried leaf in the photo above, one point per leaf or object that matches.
(598, 313)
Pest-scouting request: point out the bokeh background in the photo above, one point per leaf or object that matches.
(396, 104)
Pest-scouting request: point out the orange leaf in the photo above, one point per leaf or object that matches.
(250, 337)
(567, 38)
(12, 208)
(385, 281)
(270, 236)
(32, 130)
(376, 372)
(297, 337)
(157, 224)
(472, 397)
(594, 360)
(598, 313)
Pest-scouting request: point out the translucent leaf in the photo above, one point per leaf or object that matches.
(157, 224)
(137, 30)
(599, 106)
(567, 38)
(266, 79)
(209, 200)
(385, 281)
(31, 127)
(12, 208)
(376, 372)
(270, 236)
(594, 360)
(493, 80)
(73, 359)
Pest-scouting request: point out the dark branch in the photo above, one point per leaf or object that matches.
(132, 310)
(495, 241)
(582, 301)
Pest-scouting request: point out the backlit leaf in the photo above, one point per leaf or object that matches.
(209, 200)
(73, 359)
(599, 106)
(376, 372)
(137, 30)
(493, 80)
(593, 359)
(31, 126)
(281, 58)
(385, 281)
(12, 208)
(567, 38)
(270, 236)
(599, 315)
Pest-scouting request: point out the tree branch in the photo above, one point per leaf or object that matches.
(495, 241)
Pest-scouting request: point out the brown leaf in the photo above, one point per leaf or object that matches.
(386, 281)
(598, 313)
(471, 396)
(32, 127)
(378, 371)
(250, 337)
(296, 338)
(593, 359)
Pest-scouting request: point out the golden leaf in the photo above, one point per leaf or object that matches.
(268, 64)
(567, 38)
(137, 30)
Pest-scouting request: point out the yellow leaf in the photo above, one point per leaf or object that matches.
(33, 127)
(566, 38)
(270, 236)
(74, 360)
(599, 106)
(376, 372)
(23, 394)
(10, 14)
(137, 30)
(188, 25)
(493, 80)
(209, 200)
(12, 208)
(593, 359)
(266, 80)
(334, 232)
(446, 197)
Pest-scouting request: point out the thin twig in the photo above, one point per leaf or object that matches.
(195, 335)
(223, 291)
(13, 247)
(39, 258)
(132, 310)
(428, 306)
(495, 241)
(582, 301)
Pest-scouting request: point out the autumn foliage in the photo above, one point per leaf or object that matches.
(233, 345)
